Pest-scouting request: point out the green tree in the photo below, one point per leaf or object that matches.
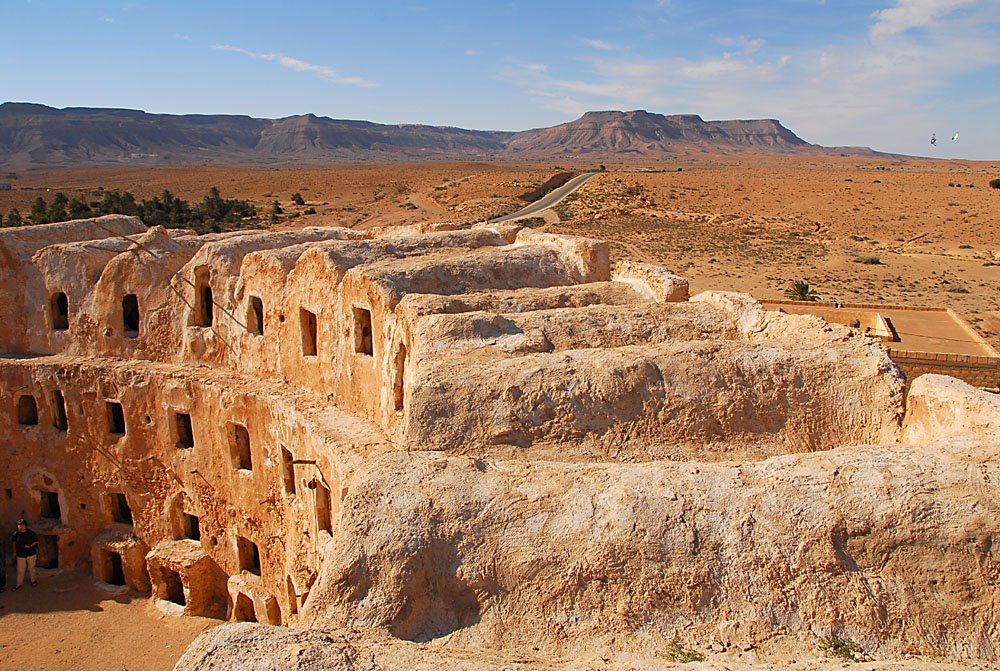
(57, 210)
(801, 291)
(13, 218)
(39, 211)
(298, 199)
(78, 209)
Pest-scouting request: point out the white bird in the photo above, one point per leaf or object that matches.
(954, 137)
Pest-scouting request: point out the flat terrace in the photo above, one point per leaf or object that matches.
(919, 339)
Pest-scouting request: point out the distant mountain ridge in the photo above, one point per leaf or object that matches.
(642, 132)
(37, 135)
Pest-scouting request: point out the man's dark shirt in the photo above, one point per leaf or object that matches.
(22, 539)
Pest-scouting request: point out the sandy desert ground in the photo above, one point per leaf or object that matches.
(913, 232)
(67, 623)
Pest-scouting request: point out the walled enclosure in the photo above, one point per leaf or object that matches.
(425, 432)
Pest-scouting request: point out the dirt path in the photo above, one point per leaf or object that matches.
(68, 623)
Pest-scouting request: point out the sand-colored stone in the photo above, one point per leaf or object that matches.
(484, 436)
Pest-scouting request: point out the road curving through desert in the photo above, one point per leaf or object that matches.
(554, 197)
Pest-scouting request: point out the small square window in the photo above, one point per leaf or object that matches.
(120, 510)
(255, 316)
(249, 555)
(192, 527)
(363, 343)
(116, 418)
(308, 322)
(27, 410)
(185, 432)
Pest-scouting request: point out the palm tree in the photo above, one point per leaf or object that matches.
(801, 291)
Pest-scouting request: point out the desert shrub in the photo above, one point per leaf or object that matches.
(957, 290)
(801, 291)
(298, 199)
(309, 210)
(675, 652)
(868, 260)
(840, 646)
(13, 218)
(995, 183)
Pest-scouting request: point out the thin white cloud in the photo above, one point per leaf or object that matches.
(887, 92)
(908, 14)
(600, 45)
(745, 45)
(291, 63)
(471, 52)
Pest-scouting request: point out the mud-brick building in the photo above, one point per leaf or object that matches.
(184, 414)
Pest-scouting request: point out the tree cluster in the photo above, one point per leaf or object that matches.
(213, 213)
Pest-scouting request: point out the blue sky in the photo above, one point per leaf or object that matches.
(879, 73)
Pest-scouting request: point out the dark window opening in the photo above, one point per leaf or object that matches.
(363, 331)
(240, 447)
(121, 512)
(192, 528)
(49, 505)
(293, 600)
(288, 471)
(9, 493)
(27, 410)
(130, 315)
(249, 555)
(113, 571)
(255, 316)
(59, 410)
(173, 588)
(203, 299)
(185, 432)
(59, 305)
(116, 418)
(397, 380)
(48, 551)
(323, 517)
(308, 321)
(243, 610)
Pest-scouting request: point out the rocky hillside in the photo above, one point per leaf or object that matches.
(35, 135)
(39, 135)
(645, 133)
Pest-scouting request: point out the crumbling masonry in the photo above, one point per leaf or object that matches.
(188, 414)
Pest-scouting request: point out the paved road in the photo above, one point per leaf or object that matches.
(552, 198)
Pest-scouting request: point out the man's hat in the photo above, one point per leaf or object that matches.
(22, 521)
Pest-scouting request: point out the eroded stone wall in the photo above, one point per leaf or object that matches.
(432, 432)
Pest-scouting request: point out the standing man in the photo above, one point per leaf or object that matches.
(26, 549)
